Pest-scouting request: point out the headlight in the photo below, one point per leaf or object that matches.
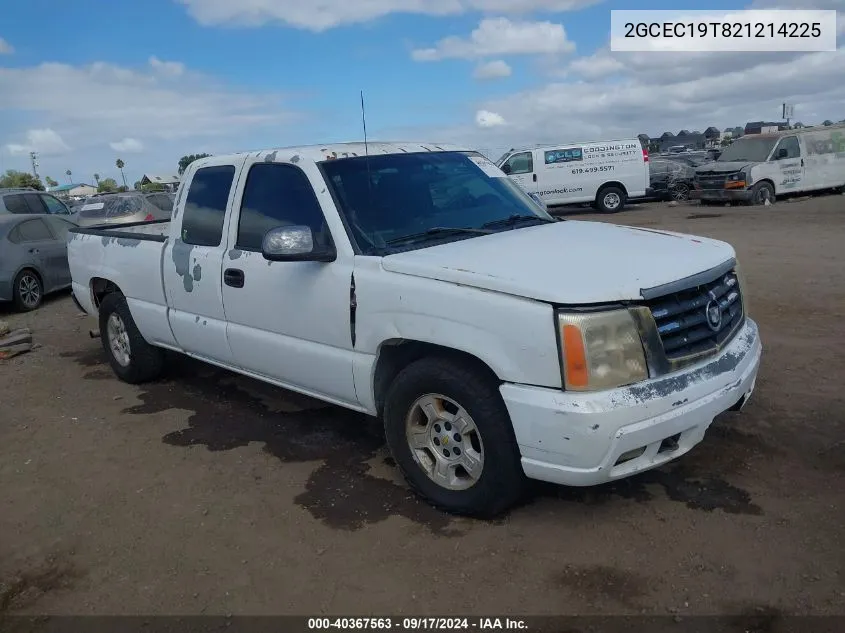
(600, 350)
(735, 177)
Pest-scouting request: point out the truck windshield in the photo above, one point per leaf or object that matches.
(400, 201)
(748, 149)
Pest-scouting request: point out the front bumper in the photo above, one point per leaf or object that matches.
(721, 195)
(577, 439)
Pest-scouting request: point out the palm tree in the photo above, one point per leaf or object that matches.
(97, 179)
(68, 173)
(120, 164)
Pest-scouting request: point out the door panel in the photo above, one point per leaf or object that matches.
(43, 251)
(790, 167)
(289, 321)
(522, 171)
(192, 264)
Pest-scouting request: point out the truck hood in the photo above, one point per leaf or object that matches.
(723, 168)
(570, 262)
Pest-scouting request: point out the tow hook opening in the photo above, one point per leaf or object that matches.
(669, 444)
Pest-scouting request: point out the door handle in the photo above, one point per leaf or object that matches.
(534, 177)
(802, 162)
(234, 277)
(34, 251)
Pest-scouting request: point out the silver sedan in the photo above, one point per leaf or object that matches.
(123, 208)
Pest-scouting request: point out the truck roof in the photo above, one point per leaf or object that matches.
(333, 151)
(632, 139)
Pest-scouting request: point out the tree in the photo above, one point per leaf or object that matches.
(97, 179)
(726, 141)
(151, 187)
(50, 182)
(187, 160)
(654, 147)
(120, 165)
(20, 180)
(107, 185)
(137, 185)
(69, 174)
(738, 131)
(827, 122)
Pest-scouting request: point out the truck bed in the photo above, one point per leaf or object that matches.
(129, 256)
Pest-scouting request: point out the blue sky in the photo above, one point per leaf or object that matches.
(150, 81)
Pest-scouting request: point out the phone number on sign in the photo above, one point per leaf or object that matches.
(592, 170)
(405, 624)
(723, 29)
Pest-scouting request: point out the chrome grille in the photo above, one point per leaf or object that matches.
(710, 181)
(699, 320)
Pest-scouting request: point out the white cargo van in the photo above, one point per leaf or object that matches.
(759, 167)
(605, 173)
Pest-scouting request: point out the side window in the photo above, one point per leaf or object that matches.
(33, 201)
(278, 195)
(520, 164)
(16, 204)
(205, 206)
(54, 206)
(34, 231)
(60, 227)
(790, 144)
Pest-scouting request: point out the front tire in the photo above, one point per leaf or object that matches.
(761, 192)
(28, 290)
(610, 200)
(132, 359)
(451, 436)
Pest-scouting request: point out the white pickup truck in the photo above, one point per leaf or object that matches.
(418, 283)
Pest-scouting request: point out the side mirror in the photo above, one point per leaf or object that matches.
(782, 153)
(294, 244)
(507, 169)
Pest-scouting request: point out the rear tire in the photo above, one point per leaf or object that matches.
(132, 359)
(28, 290)
(610, 199)
(440, 414)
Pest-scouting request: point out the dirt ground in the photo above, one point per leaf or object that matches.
(211, 493)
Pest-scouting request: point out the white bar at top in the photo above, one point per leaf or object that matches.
(799, 30)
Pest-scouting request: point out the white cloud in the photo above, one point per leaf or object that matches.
(319, 15)
(496, 69)
(103, 101)
(173, 69)
(128, 146)
(5, 47)
(648, 102)
(44, 141)
(501, 36)
(485, 118)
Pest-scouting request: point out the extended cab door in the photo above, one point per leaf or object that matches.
(789, 163)
(288, 320)
(520, 168)
(193, 259)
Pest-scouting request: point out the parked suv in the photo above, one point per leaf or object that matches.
(22, 201)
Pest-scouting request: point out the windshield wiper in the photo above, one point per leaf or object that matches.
(438, 231)
(513, 220)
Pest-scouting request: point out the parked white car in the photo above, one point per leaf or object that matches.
(757, 168)
(605, 173)
(417, 283)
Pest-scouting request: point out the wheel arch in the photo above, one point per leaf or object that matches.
(99, 287)
(396, 354)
